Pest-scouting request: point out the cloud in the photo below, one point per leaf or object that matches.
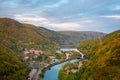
(66, 26)
(113, 16)
(42, 21)
(58, 4)
(30, 17)
(64, 14)
(87, 21)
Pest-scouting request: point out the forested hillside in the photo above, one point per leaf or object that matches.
(104, 60)
(86, 45)
(17, 36)
(11, 68)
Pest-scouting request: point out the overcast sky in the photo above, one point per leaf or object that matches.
(79, 15)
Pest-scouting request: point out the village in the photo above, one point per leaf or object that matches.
(37, 62)
(34, 54)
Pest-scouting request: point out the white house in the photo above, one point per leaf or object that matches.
(72, 49)
(58, 51)
(69, 49)
(67, 55)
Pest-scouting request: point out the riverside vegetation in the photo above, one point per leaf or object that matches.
(104, 60)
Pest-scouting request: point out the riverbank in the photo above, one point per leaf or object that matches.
(53, 72)
(55, 64)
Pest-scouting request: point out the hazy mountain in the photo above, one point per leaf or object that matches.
(74, 37)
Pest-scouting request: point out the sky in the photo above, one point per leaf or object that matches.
(61, 15)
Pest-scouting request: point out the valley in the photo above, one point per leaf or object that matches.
(59, 39)
(27, 50)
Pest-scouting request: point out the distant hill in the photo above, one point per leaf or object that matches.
(74, 37)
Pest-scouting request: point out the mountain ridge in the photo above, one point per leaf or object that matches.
(74, 37)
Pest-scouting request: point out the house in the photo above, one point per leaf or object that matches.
(26, 52)
(68, 49)
(51, 57)
(58, 51)
(38, 52)
(67, 55)
(26, 58)
(32, 50)
(35, 56)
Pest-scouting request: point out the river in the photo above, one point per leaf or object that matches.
(52, 74)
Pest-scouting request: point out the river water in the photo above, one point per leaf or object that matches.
(52, 74)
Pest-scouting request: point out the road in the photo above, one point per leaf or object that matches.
(37, 75)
